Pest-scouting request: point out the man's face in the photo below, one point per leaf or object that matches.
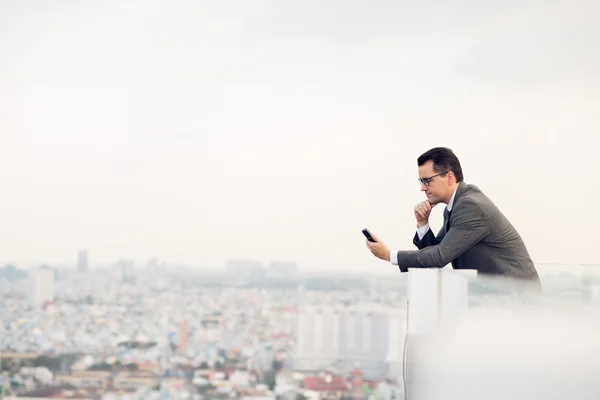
(435, 186)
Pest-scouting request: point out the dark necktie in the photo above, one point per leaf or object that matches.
(447, 219)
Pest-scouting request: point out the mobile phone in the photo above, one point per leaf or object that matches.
(368, 235)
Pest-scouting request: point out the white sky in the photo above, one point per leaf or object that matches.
(201, 131)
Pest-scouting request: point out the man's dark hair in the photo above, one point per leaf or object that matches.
(444, 160)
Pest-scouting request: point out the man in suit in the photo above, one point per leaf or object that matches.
(475, 235)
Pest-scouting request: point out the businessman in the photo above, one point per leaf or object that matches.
(474, 235)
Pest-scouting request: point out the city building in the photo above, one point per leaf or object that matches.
(41, 286)
(365, 337)
(82, 261)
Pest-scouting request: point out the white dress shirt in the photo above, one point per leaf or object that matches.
(420, 232)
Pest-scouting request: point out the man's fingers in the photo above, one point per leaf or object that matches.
(371, 246)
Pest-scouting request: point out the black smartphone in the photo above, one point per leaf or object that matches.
(368, 235)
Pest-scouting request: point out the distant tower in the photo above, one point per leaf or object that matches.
(127, 271)
(184, 339)
(357, 383)
(82, 261)
(41, 287)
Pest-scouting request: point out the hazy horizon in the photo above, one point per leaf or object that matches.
(199, 132)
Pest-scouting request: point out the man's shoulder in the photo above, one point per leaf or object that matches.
(469, 192)
(469, 188)
(473, 198)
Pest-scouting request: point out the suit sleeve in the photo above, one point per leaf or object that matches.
(468, 227)
(428, 239)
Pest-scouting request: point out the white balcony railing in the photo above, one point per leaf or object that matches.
(470, 338)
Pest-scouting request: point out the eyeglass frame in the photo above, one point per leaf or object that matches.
(427, 180)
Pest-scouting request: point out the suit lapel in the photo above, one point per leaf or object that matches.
(460, 190)
(462, 187)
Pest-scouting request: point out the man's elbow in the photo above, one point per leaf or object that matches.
(435, 259)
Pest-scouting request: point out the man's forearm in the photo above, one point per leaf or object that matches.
(421, 232)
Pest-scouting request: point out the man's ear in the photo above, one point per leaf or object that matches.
(451, 177)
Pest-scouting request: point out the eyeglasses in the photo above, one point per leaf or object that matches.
(427, 181)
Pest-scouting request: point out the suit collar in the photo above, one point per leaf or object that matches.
(462, 187)
(451, 202)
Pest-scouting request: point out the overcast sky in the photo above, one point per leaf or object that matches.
(199, 131)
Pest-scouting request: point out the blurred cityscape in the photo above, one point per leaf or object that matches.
(247, 331)
(158, 331)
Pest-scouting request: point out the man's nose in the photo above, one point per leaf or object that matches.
(423, 187)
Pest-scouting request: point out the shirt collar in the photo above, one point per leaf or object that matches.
(451, 202)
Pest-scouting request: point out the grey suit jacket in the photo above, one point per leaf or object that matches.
(478, 237)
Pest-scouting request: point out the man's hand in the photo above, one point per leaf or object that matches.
(379, 249)
(422, 211)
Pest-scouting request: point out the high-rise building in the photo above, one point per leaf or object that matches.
(184, 335)
(243, 267)
(282, 270)
(397, 329)
(317, 337)
(245, 271)
(82, 261)
(41, 287)
(347, 338)
(126, 268)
